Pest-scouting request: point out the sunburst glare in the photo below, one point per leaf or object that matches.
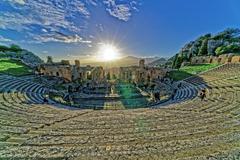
(108, 52)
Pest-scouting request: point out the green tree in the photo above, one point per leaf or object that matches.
(206, 36)
(219, 51)
(229, 33)
(232, 48)
(178, 61)
(3, 48)
(204, 48)
(15, 48)
(174, 60)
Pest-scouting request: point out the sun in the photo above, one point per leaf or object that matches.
(108, 52)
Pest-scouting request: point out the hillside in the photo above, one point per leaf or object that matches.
(224, 42)
(14, 67)
(158, 62)
(16, 52)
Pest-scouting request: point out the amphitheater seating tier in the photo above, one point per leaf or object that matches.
(183, 128)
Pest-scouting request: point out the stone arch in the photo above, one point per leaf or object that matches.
(89, 75)
(148, 78)
(80, 75)
(229, 59)
(211, 60)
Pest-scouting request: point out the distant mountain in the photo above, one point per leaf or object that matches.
(158, 62)
(123, 62)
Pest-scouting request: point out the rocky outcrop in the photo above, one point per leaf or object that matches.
(227, 37)
(213, 44)
(224, 42)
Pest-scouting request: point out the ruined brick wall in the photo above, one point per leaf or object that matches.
(226, 58)
(63, 71)
(235, 59)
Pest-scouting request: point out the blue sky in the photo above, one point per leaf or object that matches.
(75, 28)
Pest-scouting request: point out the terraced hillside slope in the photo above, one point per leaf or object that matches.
(189, 129)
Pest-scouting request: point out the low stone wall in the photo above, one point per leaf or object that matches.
(222, 59)
(235, 59)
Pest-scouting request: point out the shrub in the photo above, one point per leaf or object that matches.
(178, 61)
(232, 48)
(12, 48)
(227, 34)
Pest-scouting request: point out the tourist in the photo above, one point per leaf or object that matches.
(172, 96)
(45, 100)
(203, 94)
(157, 96)
(174, 93)
(180, 85)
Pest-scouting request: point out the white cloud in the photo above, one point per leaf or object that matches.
(121, 10)
(92, 2)
(60, 37)
(90, 45)
(48, 14)
(100, 27)
(44, 30)
(43, 19)
(22, 2)
(3, 39)
(45, 52)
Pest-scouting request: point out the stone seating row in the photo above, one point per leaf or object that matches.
(224, 71)
(33, 91)
(189, 129)
(173, 130)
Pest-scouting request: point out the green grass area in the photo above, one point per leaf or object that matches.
(188, 71)
(195, 69)
(179, 75)
(127, 91)
(13, 67)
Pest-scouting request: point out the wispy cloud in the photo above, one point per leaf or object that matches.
(49, 14)
(58, 20)
(3, 39)
(60, 37)
(122, 12)
(22, 2)
(121, 9)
